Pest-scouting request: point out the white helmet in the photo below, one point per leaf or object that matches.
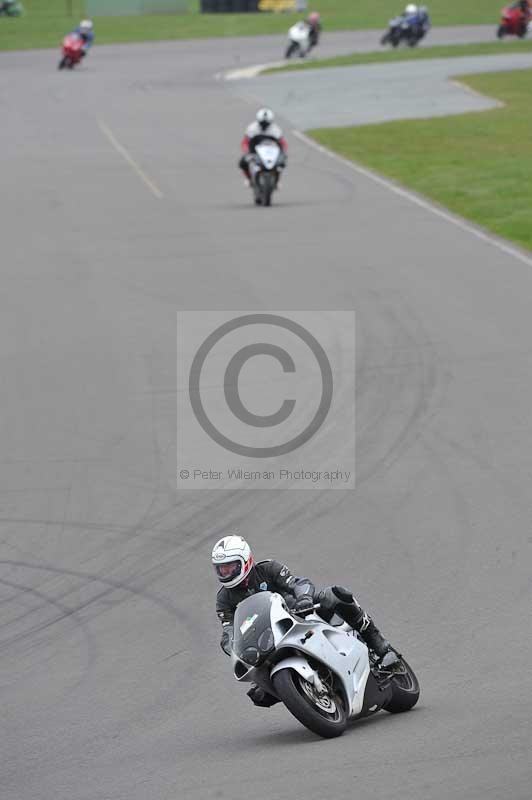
(232, 560)
(411, 9)
(265, 117)
(85, 25)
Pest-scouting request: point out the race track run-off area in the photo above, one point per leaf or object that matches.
(121, 204)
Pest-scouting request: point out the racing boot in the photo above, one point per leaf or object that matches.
(376, 642)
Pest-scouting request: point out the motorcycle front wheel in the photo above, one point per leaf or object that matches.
(405, 690)
(501, 30)
(291, 49)
(395, 39)
(322, 714)
(267, 186)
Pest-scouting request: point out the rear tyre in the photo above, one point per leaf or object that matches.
(323, 715)
(405, 690)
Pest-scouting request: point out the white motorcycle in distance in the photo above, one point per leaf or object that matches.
(264, 170)
(298, 40)
(324, 674)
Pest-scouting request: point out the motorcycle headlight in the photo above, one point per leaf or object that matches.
(265, 641)
(250, 656)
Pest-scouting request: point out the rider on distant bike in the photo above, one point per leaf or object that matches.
(526, 11)
(85, 31)
(263, 128)
(314, 22)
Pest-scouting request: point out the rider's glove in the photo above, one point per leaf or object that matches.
(227, 639)
(304, 603)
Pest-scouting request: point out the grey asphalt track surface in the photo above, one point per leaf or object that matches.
(365, 94)
(112, 683)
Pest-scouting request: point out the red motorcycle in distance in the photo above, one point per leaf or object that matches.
(72, 51)
(514, 22)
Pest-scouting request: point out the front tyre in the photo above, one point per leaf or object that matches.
(395, 38)
(321, 714)
(291, 49)
(501, 30)
(267, 185)
(405, 690)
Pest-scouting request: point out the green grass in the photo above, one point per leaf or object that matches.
(439, 51)
(46, 21)
(479, 165)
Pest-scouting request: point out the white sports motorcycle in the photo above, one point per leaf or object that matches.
(264, 170)
(324, 674)
(298, 40)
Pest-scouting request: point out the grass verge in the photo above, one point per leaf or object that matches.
(46, 21)
(438, 51)
(479, 165)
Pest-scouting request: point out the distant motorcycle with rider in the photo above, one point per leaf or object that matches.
(409, 27)
(11, 8)
(516, 20)
(303, 36)
(263, 157)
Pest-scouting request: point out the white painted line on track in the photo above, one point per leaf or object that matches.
(154, 189)
(248, 72)
(419, 201)
(470, 90)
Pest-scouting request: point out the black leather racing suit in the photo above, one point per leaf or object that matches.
(266, 576)
(273, 576)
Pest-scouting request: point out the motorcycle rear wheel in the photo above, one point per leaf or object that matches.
(405, 690)
(323, 715)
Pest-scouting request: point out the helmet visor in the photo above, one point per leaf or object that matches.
(228, 571)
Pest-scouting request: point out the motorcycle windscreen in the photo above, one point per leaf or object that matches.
(252, 636)
(268, 152)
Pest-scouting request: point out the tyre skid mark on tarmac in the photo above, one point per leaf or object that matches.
(66, 613)
(428, 382)
(114, 585)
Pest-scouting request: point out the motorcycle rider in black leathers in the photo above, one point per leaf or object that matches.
(262, 128)
(240, 577)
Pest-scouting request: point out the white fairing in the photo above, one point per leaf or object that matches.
(299, 33)
(268, 153)
(337, 647)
